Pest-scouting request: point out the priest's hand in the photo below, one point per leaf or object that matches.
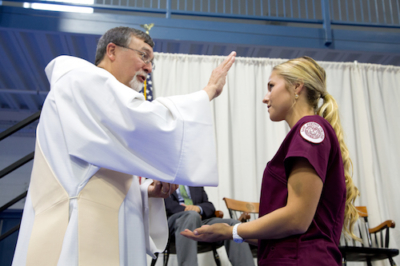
(218, 77)
(210, 233)
(159, 189)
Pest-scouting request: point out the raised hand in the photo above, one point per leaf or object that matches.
(218, 77)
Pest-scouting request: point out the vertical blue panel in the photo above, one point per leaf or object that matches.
(284, 8)
(347, 10)
(354, 11)
(168, 9)
(391, 12)
(376, 12)
(247, 4)
(306, 9)
(299, 8)
(362, 11)
(269, 7)
(327, 21)
(398, 11)
(224, 8)
(340, 11)
(369, 12)
(261, 8)
(291, 8)
(384, 11)
(209, 6)
(313, 4)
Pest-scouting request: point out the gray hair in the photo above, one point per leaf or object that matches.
(120, 36)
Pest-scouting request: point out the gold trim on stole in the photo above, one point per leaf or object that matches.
(98, 208)
(51, 204)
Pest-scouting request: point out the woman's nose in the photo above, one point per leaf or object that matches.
(266, 98)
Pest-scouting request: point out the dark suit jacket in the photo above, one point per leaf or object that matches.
(199, 197)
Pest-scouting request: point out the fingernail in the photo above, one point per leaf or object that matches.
(195, 232)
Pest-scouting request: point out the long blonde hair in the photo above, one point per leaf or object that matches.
(305, 70)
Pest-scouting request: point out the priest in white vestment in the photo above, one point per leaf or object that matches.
(96, 134)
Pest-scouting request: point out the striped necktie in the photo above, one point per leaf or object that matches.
(185, 196)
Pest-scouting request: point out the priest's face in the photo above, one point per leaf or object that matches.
(132, 63)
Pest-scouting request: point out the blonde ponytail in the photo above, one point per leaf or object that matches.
(329, 111)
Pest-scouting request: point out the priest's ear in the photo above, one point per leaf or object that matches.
(110, 51)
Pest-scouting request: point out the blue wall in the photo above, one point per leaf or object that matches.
(8, 219)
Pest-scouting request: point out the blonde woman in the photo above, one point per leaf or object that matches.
(307, 192)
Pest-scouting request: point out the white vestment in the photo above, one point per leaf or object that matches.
(91, 121)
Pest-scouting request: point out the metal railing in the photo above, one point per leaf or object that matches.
(382, 13)
(367, 13)
(15, 166)
(357, 12)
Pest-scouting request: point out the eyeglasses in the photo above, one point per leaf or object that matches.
(144, 56)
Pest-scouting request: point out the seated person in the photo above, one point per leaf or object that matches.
(189, 208)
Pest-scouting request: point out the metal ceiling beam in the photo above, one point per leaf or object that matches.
(31, 92)
(11, 102)
(374, 40)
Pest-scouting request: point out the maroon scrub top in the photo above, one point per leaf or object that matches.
(314, 139)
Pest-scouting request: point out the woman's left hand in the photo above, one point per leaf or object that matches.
(210, 233)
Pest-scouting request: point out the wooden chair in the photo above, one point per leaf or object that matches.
(243, 211)
(375, 241)
(202, 247)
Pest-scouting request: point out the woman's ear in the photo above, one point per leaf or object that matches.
(299, 87)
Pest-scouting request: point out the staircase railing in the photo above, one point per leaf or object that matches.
(15, 166)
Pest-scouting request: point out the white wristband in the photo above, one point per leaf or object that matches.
(235, 235)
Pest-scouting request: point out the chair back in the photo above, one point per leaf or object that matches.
(374, 243)
(377, 237)
(242, 210)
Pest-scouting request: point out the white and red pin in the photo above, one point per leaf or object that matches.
(312, 132)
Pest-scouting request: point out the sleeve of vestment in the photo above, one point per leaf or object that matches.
(109, 125)
(154, 220)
